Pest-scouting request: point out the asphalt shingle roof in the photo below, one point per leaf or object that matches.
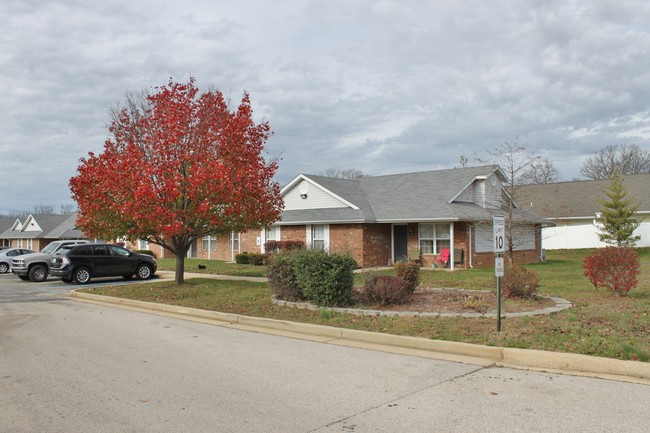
(422, 196)
(580, 198)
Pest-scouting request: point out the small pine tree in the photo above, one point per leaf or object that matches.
(618, 216)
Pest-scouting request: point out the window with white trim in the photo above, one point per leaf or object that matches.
(273, 233)
(143, 245)
(209, 243)
(234, 241)
(434, 237)
(318, 240)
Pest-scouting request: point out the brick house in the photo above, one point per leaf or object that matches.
(38, 230)
(383, 219)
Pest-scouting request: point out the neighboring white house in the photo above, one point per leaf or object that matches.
(575, 207)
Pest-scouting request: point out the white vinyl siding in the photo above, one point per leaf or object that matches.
(524, 236)
(316, 199)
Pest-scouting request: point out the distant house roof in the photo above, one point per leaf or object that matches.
(43, 226)
(423, 196)
(580, 199)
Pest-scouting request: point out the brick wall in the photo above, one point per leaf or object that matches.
(347, 239)
(377, 244)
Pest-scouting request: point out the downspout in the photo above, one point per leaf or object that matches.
(469, 245)
(451, 243)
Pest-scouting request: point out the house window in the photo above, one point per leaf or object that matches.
(434, 237)
(234, 242)
(143, 245)
(318, 236)
(209, 243)
(273, 233)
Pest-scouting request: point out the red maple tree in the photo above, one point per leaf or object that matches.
(181, 165)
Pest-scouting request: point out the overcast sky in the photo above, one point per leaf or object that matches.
(381, 86)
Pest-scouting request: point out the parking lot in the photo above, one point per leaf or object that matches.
(13, 289)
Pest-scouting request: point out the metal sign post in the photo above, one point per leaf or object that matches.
(499, 232)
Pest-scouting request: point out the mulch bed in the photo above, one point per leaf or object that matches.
(464, 301)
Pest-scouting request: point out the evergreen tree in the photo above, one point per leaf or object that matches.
(618, 215)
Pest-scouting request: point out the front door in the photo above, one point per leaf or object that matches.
(400, 243)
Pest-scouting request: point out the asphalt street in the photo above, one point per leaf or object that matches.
(69, 366)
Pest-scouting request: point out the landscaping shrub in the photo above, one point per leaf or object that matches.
(409, 272)
(277, 246)
(518, 282)
(385, 290)
(257, 259)
(616, 269)
(325, 279)
(147, 252)
(241, 258)
(282, 278)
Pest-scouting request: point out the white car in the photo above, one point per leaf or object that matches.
(7, 255)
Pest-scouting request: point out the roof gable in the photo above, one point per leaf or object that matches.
(31, 225)
(306, 192)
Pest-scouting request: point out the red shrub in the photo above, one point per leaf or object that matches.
(409, 272)
(385, 290)
(614, 268)
(518, 282)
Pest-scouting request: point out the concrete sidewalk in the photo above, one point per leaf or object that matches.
(554, 362)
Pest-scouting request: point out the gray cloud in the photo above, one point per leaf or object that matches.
(382, 86)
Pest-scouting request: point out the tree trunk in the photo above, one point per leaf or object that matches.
(180, 269)
(180, 248)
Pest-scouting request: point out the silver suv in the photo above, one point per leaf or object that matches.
(34, 266)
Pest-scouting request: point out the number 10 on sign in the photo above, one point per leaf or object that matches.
(499, 234)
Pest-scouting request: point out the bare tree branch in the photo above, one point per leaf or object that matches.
(616, 159)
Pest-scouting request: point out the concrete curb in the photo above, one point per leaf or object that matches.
(556, 362)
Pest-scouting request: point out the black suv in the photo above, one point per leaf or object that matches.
(82, 262)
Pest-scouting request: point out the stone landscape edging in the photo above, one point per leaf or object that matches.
(560, 304)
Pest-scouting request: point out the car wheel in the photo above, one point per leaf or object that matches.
(144, 272)
(38, 273)
(24, 277)
(4, 268)
(81, 276)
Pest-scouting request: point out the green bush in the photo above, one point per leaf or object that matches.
(325, 279)
(147, 252)
(282, 278)
(409, 272)
(518, 282)
(241, 258)
(385, 290)
(257, 259)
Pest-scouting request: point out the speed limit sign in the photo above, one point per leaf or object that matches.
(499, 234)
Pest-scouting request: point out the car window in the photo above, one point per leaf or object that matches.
(49, 248)
(13, 253)
(99, 250)
(82, 251)
(117, 251)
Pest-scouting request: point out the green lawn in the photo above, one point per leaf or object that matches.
(600, 323)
